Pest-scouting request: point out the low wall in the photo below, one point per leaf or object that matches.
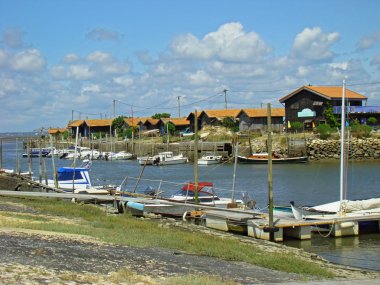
(330, 149)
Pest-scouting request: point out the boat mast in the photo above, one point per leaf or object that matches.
(343, 149)
(196, 156)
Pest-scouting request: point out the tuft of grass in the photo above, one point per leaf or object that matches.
(91, 221)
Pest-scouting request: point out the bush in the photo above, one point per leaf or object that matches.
(297, 126)
(361, 131)
(372, 121)
(324, 131)
(230, 123)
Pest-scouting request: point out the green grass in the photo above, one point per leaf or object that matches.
(123, 229)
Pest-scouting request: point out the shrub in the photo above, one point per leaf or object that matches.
(324, 131)
(361, 131)
(372, 121)
(296, 126)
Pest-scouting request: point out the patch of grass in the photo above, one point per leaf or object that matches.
(126, 230)
(198, 280)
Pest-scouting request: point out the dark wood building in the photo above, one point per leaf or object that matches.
(307, 103)
(255, 120)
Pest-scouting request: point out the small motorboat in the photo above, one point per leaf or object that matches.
(122, 155)
(210, 159)
(167, 158)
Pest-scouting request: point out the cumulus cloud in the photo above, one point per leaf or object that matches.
(368, 41)
(99, 56)
(13, 38)
(101, 34)
(312, 44)
(199, 78)
(29, 60)
(230, 42)
(80, 72)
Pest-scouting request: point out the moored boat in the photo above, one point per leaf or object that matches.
(262, 158)
(210, 159)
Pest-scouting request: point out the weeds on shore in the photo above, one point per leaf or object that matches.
(65, 217)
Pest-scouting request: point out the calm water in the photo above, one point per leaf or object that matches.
(305, 184)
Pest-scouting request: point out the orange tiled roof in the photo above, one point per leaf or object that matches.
(177, 121)
(134, 121)
(329, 92)
(57, 130)
(75, 123)
(222, 113)
(180, 121)
(99, 122)
(152, 121)
(262, 112)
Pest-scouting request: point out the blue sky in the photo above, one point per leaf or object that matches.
(59, 56)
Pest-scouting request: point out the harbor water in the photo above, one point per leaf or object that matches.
(305, 184)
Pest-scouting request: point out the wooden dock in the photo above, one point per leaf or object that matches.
(257, 225)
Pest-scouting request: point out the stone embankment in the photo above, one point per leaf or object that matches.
(358, 149)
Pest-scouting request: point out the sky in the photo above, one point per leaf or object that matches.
(64, 59)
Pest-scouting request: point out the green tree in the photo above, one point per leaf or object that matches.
(230, 123)
(118, 124)
(169, 126)
(331, 119)
(161, 115)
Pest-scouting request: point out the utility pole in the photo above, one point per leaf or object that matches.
(72, 115)
(179, 106)
(225, 98)
(114, 101)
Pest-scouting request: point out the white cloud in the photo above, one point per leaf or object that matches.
(312, 44)
(99, 56)
(7, 85)
(124, 81)
(80, 72)
(303, 71)
(339, 65)
(230, 42)
(199, 78)
(28, 60)
(58, 72)
(93, 88)
(70, 58)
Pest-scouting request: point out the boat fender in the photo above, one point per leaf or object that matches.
(345, 225)
(184, 216)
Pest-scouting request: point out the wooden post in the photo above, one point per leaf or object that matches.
(29, 143)
(45, 172)
(1, 153)
(270, 181)
(53, 165)
(17, 158)
(40, 163)
(196, 157)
